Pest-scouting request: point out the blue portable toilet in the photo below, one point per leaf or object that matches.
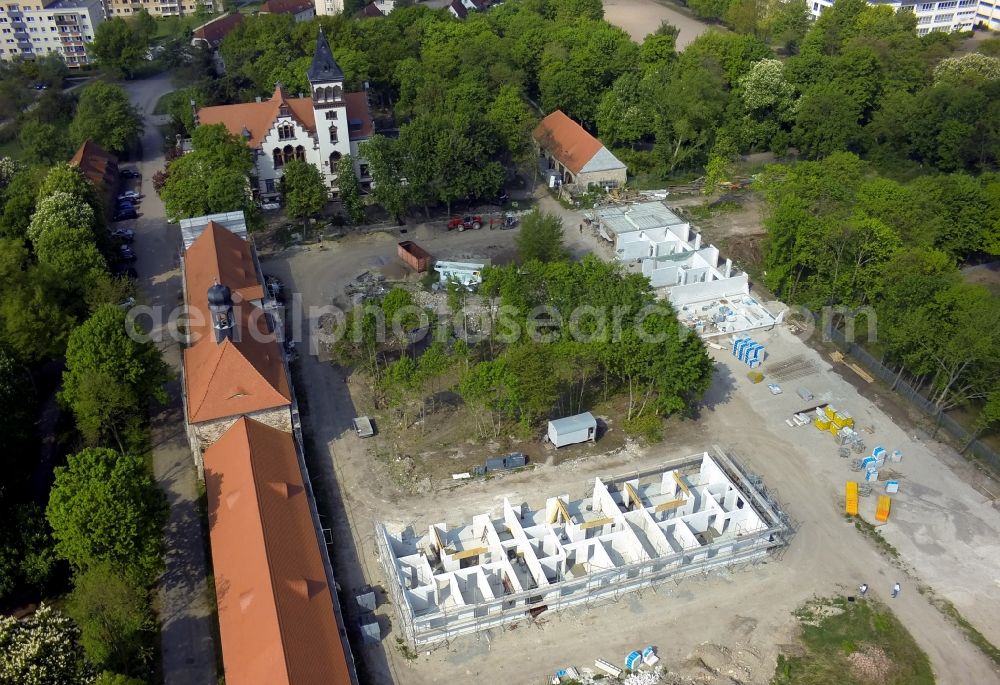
(633, 660)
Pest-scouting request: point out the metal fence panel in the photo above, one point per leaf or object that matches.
(980, 449)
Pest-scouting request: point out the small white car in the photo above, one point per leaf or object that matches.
(774, 388)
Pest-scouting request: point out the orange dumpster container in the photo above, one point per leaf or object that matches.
(882, 508)
(851, 498)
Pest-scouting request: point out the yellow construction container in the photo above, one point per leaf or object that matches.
(830, 411)
(851, 498)
(882, 508)
(839, 421)
(755, 376)
(822, 424)
(834, 431)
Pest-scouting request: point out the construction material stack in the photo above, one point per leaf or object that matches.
(748, 351)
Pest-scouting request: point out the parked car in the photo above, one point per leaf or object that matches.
(124, 214)
(41, 86)
(274, 286)
(129, 173)
(129, 195)
(124, 234)
(465, 222)
(127, 303)
(126, 257)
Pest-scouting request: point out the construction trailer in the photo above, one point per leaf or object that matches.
(414, 256)
(631, 532)
(572, 429)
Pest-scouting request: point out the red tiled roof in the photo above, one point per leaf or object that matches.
(98, 165)
(214, 31)
(285, 6)
(229, 378)
(358, 112)
(566, 141)
(276, 615)
(370, 10)
(259, 117)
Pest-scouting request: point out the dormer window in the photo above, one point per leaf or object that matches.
(283, 111)
(286, 132)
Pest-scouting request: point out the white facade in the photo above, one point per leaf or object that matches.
(946, 15)
(632, 532)
(329, 7)
(63, 27)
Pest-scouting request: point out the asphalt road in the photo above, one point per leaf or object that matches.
(186, 617)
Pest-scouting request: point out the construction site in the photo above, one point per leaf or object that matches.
(632, 532)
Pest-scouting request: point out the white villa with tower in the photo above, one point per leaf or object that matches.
(319, 129)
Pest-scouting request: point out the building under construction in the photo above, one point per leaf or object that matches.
(632, 532)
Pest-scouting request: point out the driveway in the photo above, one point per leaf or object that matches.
(186, 615)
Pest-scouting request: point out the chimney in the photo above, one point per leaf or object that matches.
(220, 305)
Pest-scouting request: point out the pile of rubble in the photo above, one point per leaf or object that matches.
(365, 287)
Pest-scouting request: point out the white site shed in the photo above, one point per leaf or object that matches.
(573, 429)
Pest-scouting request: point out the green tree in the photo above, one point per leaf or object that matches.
(540, 238)
(105, 507)
(350, 191)
(120, 46)
(786, 22)
(514, 122)
(970, 67)
(110, 375)
(42, 649)
(212, 178)
(115, 619)
(45, 142)
(689, 111)
(385, 167)
(19, 201)
(105, 116)
(65, 178)
(303, 191)
(623, 116)
(59, 209)
(826, 122)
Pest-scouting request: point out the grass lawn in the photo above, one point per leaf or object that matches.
(853, 643)
(173, 27)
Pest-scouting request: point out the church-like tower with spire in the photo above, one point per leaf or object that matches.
(320, 128)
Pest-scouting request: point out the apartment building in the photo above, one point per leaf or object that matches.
(159, 8)
(62, 27)
(337, 6)
(946, 15)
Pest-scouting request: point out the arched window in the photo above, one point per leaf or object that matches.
(300, 153)
(333, 134)
(279, 161)
(337, 92)
(286, 132)
(289, 153)
(334, 158)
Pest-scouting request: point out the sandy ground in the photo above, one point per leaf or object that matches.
(642, 17)
(945, 530)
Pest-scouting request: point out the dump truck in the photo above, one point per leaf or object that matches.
(416, 257)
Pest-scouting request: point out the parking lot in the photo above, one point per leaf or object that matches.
(945, 530)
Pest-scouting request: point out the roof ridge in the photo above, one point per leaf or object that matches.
(258, 488)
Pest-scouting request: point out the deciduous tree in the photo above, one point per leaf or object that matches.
(105, 116)
(303, 191)
(540, 238)
(42, 649)
(105, 508)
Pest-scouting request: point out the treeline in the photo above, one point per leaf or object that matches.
(100, 526)
(838, 234)
(602, 335)
(50, 127)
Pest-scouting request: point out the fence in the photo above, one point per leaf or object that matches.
(977, 447)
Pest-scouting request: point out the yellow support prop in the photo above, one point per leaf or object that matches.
(882, 508)
(851, 498)
(672, 504)
(597, 523)
(466, 553)
(633, 497)
(680, 482)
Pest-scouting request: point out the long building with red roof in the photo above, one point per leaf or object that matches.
(279, 616)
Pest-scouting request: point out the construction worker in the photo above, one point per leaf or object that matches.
(863, 590)
(896, 590)
(581, 229)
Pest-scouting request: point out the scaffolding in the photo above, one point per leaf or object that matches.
(637, 531)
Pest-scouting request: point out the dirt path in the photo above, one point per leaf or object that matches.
(639, 18)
